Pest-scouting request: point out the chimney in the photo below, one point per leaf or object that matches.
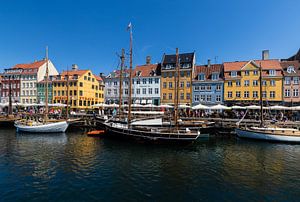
(265, 54)
(75, 67)
(208, 63)
(148, 60)
(101, 74)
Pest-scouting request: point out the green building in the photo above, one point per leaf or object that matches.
(41, 89)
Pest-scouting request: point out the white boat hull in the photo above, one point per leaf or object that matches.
(57, 127)
(264, 136)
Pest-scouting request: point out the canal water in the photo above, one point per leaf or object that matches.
(73, 167)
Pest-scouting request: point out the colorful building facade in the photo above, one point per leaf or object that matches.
(208, 84)
(80, 87)
(146, 84)
(291, 86)
(241, 83)
(41, 91)
(168, 73)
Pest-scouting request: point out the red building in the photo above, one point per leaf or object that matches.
(11, 80)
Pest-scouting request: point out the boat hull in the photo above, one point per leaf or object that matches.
(153, 137)
(58, 127)
(266, 136)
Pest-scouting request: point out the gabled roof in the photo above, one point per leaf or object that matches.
(74, 72)
(146, 70)
(265, 64)
(116, 73)
(295, 57)
(295, 64)
(34, 65)
(98, 78)
(184, 58)
(207, 70)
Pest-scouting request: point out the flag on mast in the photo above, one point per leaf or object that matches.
(129, 26)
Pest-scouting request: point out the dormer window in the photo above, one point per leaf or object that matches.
(272, 72)
(215, 76)
(291, 69)
(138, 73)
(233, 73)
(201, 77)
(169, 66)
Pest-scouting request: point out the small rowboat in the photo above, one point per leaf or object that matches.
(96, 133)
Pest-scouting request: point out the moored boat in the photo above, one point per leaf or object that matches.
(37, 127)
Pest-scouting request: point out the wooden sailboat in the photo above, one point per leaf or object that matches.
(267, 132)
(141, 132)
(45, 126)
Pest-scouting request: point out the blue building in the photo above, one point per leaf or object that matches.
(208, 84)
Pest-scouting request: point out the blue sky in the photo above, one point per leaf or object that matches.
(90, 33)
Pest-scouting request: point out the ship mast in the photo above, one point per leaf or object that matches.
(176, 76)
(260, 96)
(130, 76)
(121, 82)
(46, 90)
(67, 109)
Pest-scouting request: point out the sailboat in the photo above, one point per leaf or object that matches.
(45, 126)
(267, 132)
(132, 129)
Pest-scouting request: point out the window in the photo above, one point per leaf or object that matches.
(291, 69)
(126, 91)
(238, 83)
(156, 90)
(170, 84)
(218, 87)
(208, 98)
(108, 91)
(188, 84)
(196, 88)
(208, 87)
(246, 94)
(138, 81)
(170, 74)
(85, 77)
(229, 95)
(247, 73)
(202, 97)
(229, 83)
(181, 84)
(233, 74)
(272, 72)
(144, 81)
(201, 77)
(272, 82)
(296, 80)
(138, 91)
(202, 87)
(81, 84)
(182, 96)
(286, 93)
(115, 83)
(115, 91)
(150, 80)
(287, 80)
(188, 96)
(218, 98)
(215, 76)
(188, 74)
(264, 83)
(165, 74)
(255, 83)
(80, 93)
(196, 98)
(156, 80)
(246, 83)
(255, 94)
(165, 85)
(272, 94)
(264, 94)
(295, 92)
(144, 91)
(170, 96)
(164, 96)
(238, 94)
(255, 72)
(150, 91)
(182, 74)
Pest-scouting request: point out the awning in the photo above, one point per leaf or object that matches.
(137, 102)
(144, 102)
(149, 101)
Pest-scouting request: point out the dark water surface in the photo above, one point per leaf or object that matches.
(73, 167)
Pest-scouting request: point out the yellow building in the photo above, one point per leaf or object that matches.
(168, 72)
(85, 89)
(242, 81)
